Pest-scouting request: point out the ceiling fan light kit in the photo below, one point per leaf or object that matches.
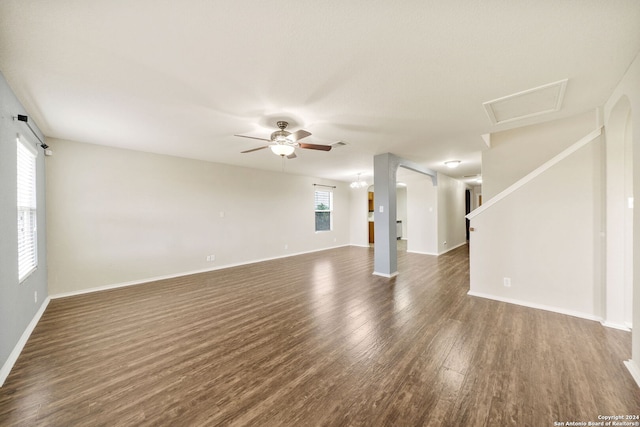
(281, 136)
(284, 143)
(282, 149)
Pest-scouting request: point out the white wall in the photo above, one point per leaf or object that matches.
(451, 213)
(401, 210)
(546, 237)
(359, 217)
(514, 153)
(629, 88)
(435, 214)
(422, 214)
(619, 223)
(18, 303)
(628, 223)
(118, 216)
(476, 192)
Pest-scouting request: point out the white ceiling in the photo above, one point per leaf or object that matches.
(407, 77)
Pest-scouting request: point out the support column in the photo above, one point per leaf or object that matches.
(384, 216)
(385, 167)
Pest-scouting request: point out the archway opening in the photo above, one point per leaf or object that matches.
(618, 291)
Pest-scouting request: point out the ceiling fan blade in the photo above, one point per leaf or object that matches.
(254, 149)
(292, 156)
(315, 146)
(298, 135)
(253, 137)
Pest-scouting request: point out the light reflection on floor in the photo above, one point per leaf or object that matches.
(361, 317)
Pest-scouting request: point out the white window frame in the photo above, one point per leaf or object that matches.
(26, 165)
(316, 210)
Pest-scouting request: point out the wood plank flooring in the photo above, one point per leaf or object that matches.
(315, 340)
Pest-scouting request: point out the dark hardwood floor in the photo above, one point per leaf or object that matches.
(315, 340)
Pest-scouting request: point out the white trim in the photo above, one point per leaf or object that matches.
(28, 274)
(28, 144)
(612, 325)
(422, 253)
(633, 370)
(543, 168)
(455, 247)
(27, 208)
(184, 273)
(486, 137)
(15, 353)
(536, 306)
(436, 254)
(388, 276)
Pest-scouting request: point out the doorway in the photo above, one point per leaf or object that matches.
(467, 208)
(370, 222)
(619, 289)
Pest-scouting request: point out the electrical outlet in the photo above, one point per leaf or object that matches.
(286, 246)
(507, 282)
(211, 258)
(35, 296)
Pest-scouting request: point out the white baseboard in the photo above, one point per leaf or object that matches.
(185, 273)
(455, 247)
(620, 326)
(388, 276)
(536, 306)
(15, 353)
(438, 253)
(633, 369)
(422, 253)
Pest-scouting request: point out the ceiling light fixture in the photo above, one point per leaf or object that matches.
(282, 150)
(358, 183)
(451, 164)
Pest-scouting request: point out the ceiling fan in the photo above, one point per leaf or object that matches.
(284, 143)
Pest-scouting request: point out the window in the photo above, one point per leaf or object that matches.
(323, 210)
(27, 230)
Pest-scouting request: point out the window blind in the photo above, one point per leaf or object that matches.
(323, 200)
(323, 207)
(26, 203)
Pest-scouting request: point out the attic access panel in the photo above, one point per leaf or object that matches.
(529, 103)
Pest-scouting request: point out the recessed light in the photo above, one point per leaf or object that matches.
(451, 164)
